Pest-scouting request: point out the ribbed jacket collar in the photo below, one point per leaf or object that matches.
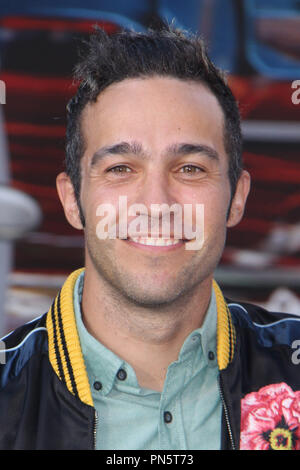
(64, 345)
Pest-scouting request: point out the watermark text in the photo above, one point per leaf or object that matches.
(2, 92)
(296, 93)
(162, 221)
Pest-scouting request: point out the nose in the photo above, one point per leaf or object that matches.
(155, 190)
(157, 202)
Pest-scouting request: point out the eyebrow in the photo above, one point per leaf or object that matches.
(182, 149)
(135, 148)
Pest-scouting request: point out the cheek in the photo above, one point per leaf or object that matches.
(97, 201)
(215, 216)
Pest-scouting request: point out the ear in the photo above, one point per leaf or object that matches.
(67, 198)
(239, 200)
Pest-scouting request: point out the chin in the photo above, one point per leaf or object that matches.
(151, 302)
(151, 298)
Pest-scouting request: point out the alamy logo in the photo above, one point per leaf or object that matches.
(296, 353)
(187, 222)
(2, 92)
(296, 93)
(2, 352)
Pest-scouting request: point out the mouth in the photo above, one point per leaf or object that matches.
(150, 241)
(155, 243)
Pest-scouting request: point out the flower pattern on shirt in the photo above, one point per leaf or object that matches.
(270, 419)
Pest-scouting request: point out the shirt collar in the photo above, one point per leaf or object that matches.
(206, 334)
(107, 365)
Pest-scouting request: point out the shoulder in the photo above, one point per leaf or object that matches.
(18, 347)
(270, 327)
(246, 312)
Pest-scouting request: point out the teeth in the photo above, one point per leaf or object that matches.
(155, 241)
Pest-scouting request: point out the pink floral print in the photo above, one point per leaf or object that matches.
(270, 419)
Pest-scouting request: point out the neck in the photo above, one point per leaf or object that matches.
(148, 338)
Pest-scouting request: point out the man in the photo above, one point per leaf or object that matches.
(140, 350)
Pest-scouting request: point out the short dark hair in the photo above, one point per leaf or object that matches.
(107, 59)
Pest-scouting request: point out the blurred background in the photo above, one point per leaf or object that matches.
(256, 41)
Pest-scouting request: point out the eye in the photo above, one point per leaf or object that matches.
(119, 169)
(190, 169)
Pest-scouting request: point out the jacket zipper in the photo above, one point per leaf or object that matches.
(226, 414)
(95, 428)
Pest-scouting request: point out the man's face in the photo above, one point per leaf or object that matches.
(161, 124)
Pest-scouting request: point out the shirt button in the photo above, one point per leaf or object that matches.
(121, 374)
(167, 417)
(211, 355)
(97, 385)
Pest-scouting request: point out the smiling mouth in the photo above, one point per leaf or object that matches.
(150, 241)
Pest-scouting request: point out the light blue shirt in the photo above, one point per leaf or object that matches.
(186, 415)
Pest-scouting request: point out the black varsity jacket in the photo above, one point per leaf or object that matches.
(46, 402)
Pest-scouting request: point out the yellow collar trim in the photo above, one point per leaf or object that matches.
(65, 352)
(226, 336)
(64, 345)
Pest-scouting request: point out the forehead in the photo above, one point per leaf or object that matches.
(155, 110)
